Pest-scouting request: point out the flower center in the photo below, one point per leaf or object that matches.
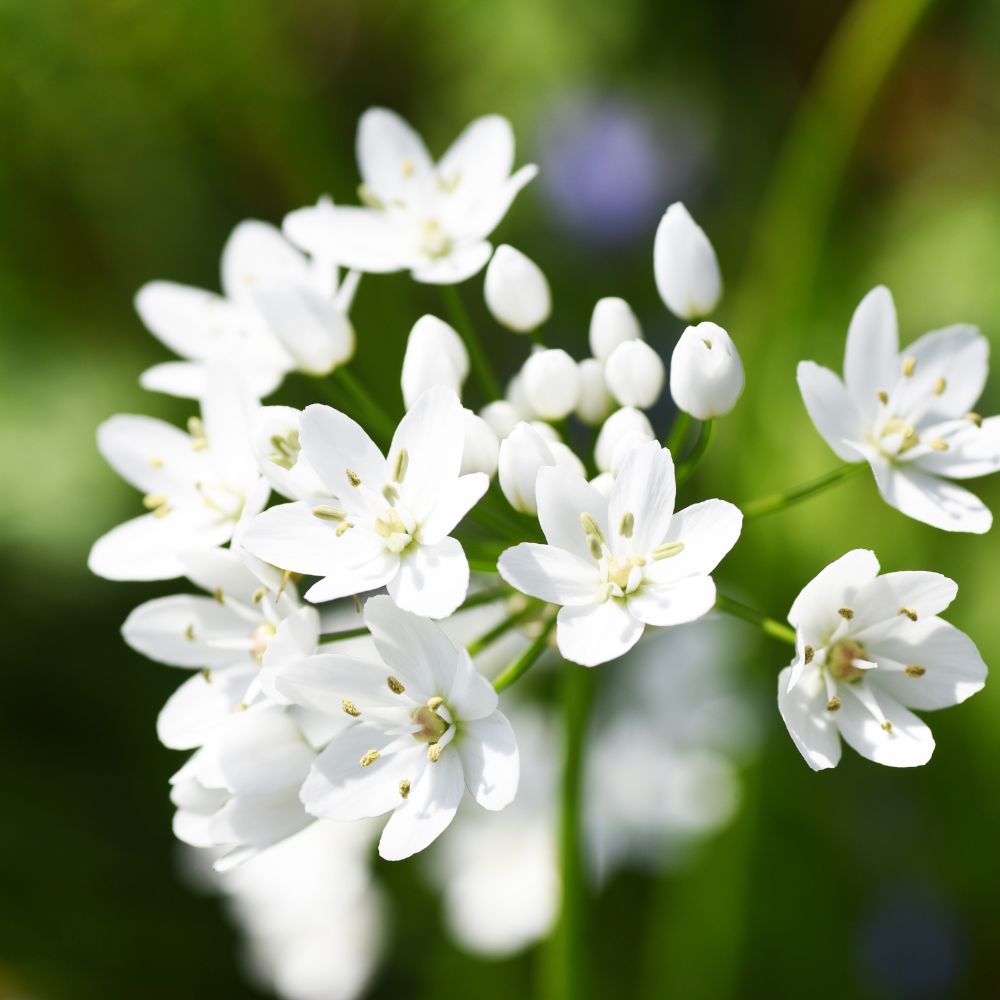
(840, 660)
(432, 726)
(259, 639)
(619, 571)
(434, 241)
(390, 526)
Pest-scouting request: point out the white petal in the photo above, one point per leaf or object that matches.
(426, 812)
(323, 681)
(488, 749)
(261, 751)
(229, 411)
(471, 695)
(550, 573)
(487, 215)
(459, 265)
(815, 611)
(432, 580)
(189, 379)
(203, 703)
(392, 158)
(926, 594)
(150, 454)
(909, 743)
(708, 531)
(594, 634)
(958, 354)
(480, 160)
(972, 452)
(256, 821)
(810, 725)
(644, 489)
(300, 482)
(830, 408)
(257, 254)
(362, 567)
(296, 638)
(673, 603)
(334, 443)
(359, 238)
(871, 358)
(562, 497)
(220, 570)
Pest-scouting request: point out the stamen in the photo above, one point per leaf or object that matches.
(219, 596)
(627, 526)
(940, 385)
(974, 418)
(404, 787)
(883, 397)
(915, 671)
(370, 758)
(402, 463)
(258, 595)
(407, 168)
(325, 513)
(938, 444)
(286, 577)
(590, 527)
(909, 365)
(808, 654)
(390, 493)
(667, 550)
(435, 703)
(887, 726)
(909, 612)
(434, 752)
(395, 685)
(189, 633)
(846, 613)
(153, 500)
(833, 705)
(595, 547)
(341, 528)
(197, 431)
(206, 674)
(369, 198)
(353, 478)
(349, 707)
(356, 601)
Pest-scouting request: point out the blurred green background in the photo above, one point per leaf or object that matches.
(825, 147)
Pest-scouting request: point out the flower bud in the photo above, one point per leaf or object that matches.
(635, 374)
(516, 291)
(595, 402)
(622, 431)
(435, 355)
(685, 266)
(706, 374)
(566, 458)
(551, 383)
(522, 453)
(517, 398)
(502, 416)
(611, 324)
(604, 483)
(482, 445)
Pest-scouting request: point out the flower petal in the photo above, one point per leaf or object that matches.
(479, 160)
(673, 603)
(203, 703)
(594, 634)
(562, 497)
(488, 749)
(432, 580)
(451, 504)
(360, 238)
(551, 574)
(908, 743)
(972, 452)
(392, 158)
(810, 725)
(830, 408)
(459, 265)
(816, 609)
(334, 443)
(957, 354)
(708, 530)
(881, 601)
(871, 358)
(645, 489)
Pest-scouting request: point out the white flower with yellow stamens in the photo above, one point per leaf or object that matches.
(620, 563)
(196, 484)
(431, 219)
(391, 524)
(424, 726)
(908, 414)
(869, 648)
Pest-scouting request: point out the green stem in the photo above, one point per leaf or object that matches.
(366, 403)
(526, 660)
(778, 501)
(686, 469)
(350, 633)
(570, 948)
(500, 630)
(769, 626)
(487, 596)
(480, 363)
(678, 432)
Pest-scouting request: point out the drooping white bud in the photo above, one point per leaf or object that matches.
(516, 291)
(551, 383)
(435, 355)
(502, 416)
(612, 323)
(482, 446)
(522, 454)
(624, 429)
(635, 374)
(685, 266)
(706, 374)
(595, 402)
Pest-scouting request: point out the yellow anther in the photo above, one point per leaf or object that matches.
(938, 444)
(206, 675)
(153, 500)
(258, 595)
(370, 758)
(590, 526)
(356, 601)
(395, 685)
(352, 477)
(833, 704)
(595, 547)
(341, 528)
(407, 167)
(325, 513)
(808, 654)
(286, 577)
(219, 596)
(435, 703)
(846, 613)
(883, 397)
(909, 365)
(667, 550)
(197, 431)
(909, 612)
(915, 671)
(940, 384)
(349, 707)
(189, 633)
(627, 525)
(156, 463)
(402, 464)
(404, 787)
(390, 493)
(369, 198)
(974, 418)
(434, 752)
(887, 726)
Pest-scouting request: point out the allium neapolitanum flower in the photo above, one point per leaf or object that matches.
(706, 374)
(909, 414)
(516, 290)
(278, 312)
(431, 219)
(390, 524)
(684, 264)
(866, 646)
(424, 727)
(196, 484)
(619, 564)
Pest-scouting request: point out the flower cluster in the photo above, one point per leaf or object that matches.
(341, 553)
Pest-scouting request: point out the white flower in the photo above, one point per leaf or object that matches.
(595, 402)
(240, 791)
(612, 323)
(277, 446)
(866, 646)
(502, 416)
(435, 355)
(391, 522)
(619, 564)
(278, 312)
(227, 638)
(425, 726)
(195, 484)
(517, 294)
(430, 219)
(523, 454)
(635, 374)
(706, 374)
(684, 265)
(908, 414)
(622, 432)
(550, 381)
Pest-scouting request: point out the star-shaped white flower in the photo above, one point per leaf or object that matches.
(278, 312)
(868, 645)
(425, 726)
(390, 526)
(196, 484)
(431, 219)
(909, 414)
(621, 563)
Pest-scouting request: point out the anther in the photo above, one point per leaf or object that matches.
(349, 707)
(974, 418)
(352, 477)
(395, 685)
(369, 198)
(846, 613)
(808, 654)
(940, 384)
(370, 758)
(407, 168)
(627, 525)
(595, 547)
(434, 752)
(206, 675)
(833, 705)
(883, 397)
(153, 500)
(390, 493)
(258, 595)
(189, 633)
(909, 612)
(219, 596)
(887, 726)
(667, 550)
(435, 703)
(341, 528)
(402, 463)
(938, 444)
(590, 526)
(156, 463)
(325, 513)
(909, 365)
(915, 671)
(404, 787)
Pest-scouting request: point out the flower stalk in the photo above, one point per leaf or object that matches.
(769, 626)
(480, 363)
(779, 501)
